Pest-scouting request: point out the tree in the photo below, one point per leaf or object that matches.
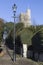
(1, 28)
(19, 27)
(26, 35)
(41, 36)
(9, 25)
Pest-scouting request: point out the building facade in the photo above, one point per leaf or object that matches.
(25, 18)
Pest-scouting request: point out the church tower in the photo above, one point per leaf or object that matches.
(25, 18)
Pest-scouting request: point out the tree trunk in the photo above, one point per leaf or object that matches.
(25, 50)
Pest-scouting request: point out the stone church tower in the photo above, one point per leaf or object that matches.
(25, 18)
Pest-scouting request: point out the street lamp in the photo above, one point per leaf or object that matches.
(14, 11)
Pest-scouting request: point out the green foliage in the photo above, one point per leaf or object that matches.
(32, 28)
(26, 35)
(1, 28)
(41, 36)
(9, 25)
(19, 27)
(9, 41)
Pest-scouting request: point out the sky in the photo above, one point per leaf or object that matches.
(36, 7)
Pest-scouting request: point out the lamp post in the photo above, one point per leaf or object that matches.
(14, 11)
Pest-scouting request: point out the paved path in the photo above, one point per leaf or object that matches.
(6, 60)
(19, 61)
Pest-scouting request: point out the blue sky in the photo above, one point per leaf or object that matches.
(36, 7)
